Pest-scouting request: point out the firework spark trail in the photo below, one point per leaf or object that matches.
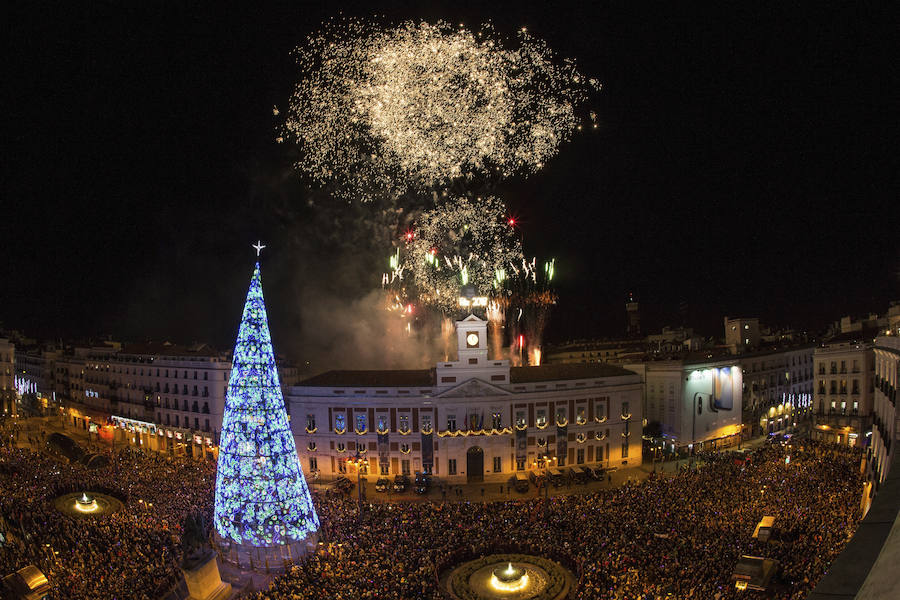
(530, 295)
(381, 110)
(473, 239)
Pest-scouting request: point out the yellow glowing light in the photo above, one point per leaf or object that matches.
(514, 585)
(86, 505)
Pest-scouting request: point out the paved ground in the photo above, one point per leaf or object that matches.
(488, 492)
(492, 492)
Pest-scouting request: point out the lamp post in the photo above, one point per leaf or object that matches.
(545, 459)
(359, 461)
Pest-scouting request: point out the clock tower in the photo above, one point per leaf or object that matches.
(472, 357)
(471, 340)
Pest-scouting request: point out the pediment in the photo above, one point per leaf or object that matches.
(473, 388)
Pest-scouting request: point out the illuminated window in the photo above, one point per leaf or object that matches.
(541, 419)
(520, 418)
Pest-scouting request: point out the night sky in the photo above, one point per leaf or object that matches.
(745, 165)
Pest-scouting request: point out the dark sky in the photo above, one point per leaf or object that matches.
(746, 164)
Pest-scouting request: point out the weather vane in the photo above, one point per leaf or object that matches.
(259, 246)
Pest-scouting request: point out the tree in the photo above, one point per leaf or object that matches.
(261, 495)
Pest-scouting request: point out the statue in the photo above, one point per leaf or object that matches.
(195, 545)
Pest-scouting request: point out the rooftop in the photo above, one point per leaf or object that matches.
(561, 372)
(167, 349)
(427, 378)
(866, 568)
(396, 378)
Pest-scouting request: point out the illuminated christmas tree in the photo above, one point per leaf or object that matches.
(262, 499)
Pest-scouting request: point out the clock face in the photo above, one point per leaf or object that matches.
(472, 339)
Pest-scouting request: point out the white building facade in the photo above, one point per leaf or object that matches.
(772, 381)
(845, 389)
(885, 419)
(469, 420)
(697, 404)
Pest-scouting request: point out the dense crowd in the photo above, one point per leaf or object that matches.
(672, 536)
(130, 554)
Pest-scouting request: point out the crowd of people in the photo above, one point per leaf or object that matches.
(676, 536)
(130, 554)
(671, 536)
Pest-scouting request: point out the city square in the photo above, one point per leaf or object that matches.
(449, 303)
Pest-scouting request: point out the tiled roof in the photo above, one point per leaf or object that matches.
(562, 372)
(397, 378)
(162, 349)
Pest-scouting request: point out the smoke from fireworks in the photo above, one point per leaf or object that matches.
(379, 110)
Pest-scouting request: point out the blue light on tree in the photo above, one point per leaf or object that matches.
(261, 495)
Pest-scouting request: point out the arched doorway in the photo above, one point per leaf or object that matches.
(475, 464)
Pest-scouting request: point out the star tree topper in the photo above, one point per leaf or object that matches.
(259, 246)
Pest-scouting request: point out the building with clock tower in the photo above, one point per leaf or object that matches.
(474, 419)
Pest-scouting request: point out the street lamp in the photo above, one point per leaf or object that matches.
(546, 460)
(359, 460)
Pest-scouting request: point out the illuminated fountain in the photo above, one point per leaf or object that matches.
(509, 579)
(86, 503)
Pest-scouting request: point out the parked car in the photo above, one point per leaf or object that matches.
(383, 484)
(401, 483)
(423, 483)
(583, 474)
(343, 484)
(556, 477)
(520, 482)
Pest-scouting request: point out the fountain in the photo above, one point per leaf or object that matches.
(86, 503)
(509, 579)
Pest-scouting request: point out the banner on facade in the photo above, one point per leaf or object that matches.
(427, 452)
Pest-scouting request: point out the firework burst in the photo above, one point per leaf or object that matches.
(382, 110)
(464, 242)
